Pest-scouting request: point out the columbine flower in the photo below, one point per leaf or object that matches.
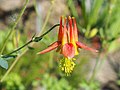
(67, 44)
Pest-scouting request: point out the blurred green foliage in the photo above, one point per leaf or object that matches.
(101, 20)
(12, 82)
(53, 83)
(94, 85)
(102, 15)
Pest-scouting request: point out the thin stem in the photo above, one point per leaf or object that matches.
(36, 39)
(87, 31)
(13, 64)
(95, 69)
(51, 60)
(49, 30)
(47, 17)
(14, 25)
(17, 49)
(72, 8)
(18, 57)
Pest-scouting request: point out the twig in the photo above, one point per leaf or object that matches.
(18, 57)
(14, 25)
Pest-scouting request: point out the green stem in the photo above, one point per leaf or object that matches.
(32, 40)
(87, 31)
(11, 67)
(51, 60)
(47, 17)
(95, 69)
(17, 49)
(36, 39)
(49, 30)
(73, 8)
(18, 57)
(14, 25)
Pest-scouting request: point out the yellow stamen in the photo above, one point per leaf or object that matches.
(67, 65)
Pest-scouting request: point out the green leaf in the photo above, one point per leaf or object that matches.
(73, 8)
(84, 12)
(31, 48)
(94, 13)
(7, 57)
(3, 63)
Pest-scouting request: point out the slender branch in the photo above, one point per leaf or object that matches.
(13, 64)
(47, 17)
(14, 25)
(95, 69)
(49, 30)
(17, 49)
(18, 57)
(34, 39)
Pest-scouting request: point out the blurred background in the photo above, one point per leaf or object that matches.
(98, 23)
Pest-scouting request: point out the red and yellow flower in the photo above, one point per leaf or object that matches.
(67, 44)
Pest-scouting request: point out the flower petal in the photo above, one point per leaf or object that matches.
(64, 34)
(68, 50)
(60, 30)
(75, 29)
(71, 30)
(72, 33)
(81, 45)
(51, 47)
